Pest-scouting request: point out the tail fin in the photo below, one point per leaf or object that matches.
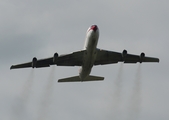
(77, 79)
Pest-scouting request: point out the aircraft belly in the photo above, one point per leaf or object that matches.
(90, 55)
(88, 62)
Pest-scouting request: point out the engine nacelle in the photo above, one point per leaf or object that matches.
(34, 62)
(124, 54)
(142, 55)
(55, 57)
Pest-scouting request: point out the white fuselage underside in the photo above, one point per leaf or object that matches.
(90, 54)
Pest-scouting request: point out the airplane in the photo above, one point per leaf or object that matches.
(86, 58)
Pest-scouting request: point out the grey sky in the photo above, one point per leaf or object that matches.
(40, 28)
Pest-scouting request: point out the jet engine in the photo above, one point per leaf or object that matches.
(55, 57)
(142, 55)
(124, 54)
(34, 62)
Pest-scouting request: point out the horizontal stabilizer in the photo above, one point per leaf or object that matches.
(77, 79)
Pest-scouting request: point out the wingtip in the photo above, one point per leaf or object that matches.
(11, 67)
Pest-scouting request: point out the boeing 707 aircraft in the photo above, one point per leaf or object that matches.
(87, 58)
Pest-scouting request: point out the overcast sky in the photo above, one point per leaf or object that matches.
(40, 28)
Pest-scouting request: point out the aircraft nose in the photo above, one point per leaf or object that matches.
(94, 27)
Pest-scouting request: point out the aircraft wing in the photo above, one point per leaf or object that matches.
(39, 63)
(73, 59)
(109, 57)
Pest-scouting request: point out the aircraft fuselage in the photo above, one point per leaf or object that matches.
(89, 57)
